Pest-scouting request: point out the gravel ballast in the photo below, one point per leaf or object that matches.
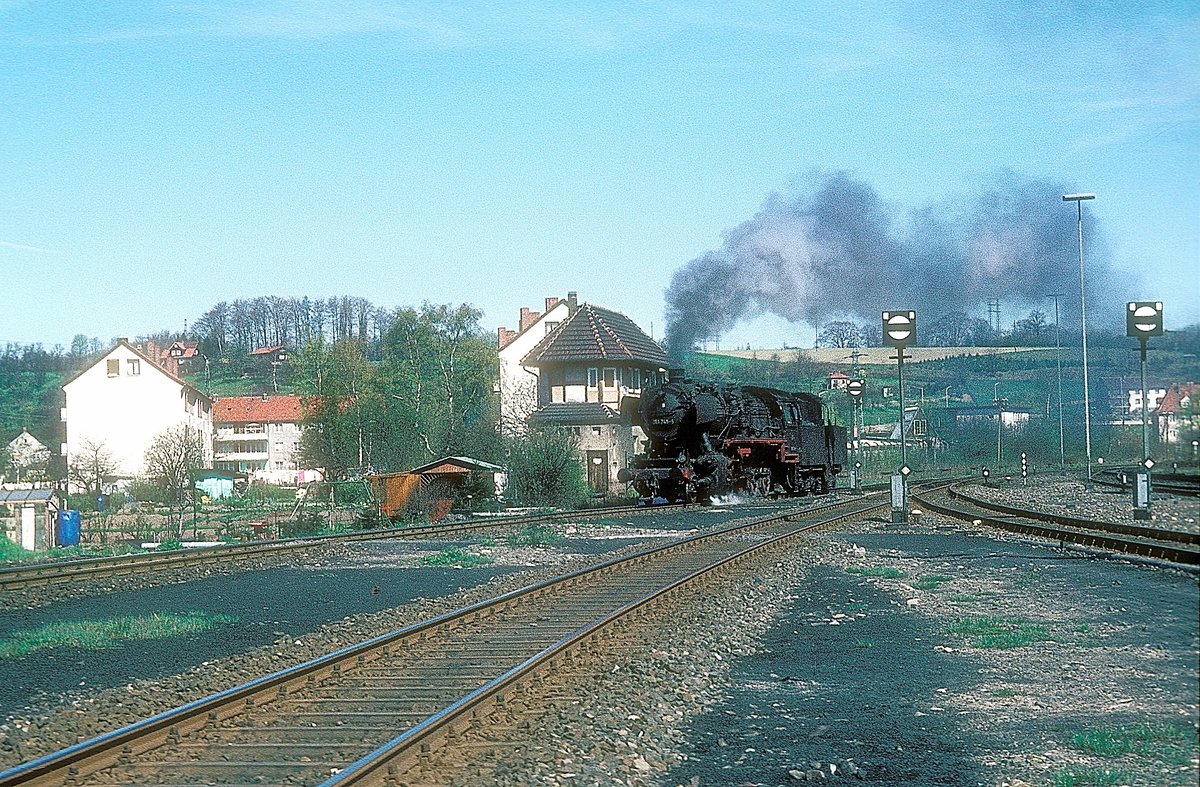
(818, 664)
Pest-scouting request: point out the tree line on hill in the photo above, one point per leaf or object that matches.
(957, 329)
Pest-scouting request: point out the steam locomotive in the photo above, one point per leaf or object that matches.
(708, 439)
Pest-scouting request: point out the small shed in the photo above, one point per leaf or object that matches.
(438, 481)
(27, 514)
(218, 484)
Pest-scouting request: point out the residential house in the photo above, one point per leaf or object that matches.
(584, 368)
(259, 436)
(1176, 414)
(122, 401)
(837, 381)
(25, 457)
(518, 387)
(180, 357)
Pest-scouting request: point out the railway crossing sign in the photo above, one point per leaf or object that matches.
(1144, 318)
(1148, 464)
(855, 388)
(1024, 468)
(899, 328)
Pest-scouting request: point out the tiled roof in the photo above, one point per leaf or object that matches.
(575, 413)
(595, 334)
(188, 350)
(284, 408)
(1175, 395)
(274, 348)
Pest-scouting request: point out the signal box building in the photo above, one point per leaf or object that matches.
(583, 368)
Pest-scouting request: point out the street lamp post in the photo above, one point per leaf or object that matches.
(1062, 452)
(1079, 199)
(999, 420)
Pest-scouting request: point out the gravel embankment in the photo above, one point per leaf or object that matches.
(803, 667)
(1070, 497)
(324, 599)
(801, 670)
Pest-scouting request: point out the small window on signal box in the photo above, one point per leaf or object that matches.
(114, 367)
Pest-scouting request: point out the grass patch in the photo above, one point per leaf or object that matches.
(103, 634)
(864, 643)
(534, 536)
(1173, 745)
(455, 556)
(930, 581)
(486, 541)
(857, 606)
(1079, 776)
(10, 552)
(1025, 579)
(998, 633)
(887, 572)
(1004, 692)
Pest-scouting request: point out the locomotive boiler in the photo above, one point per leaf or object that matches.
(708, 439)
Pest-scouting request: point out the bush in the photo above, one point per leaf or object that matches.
(147, 492)
(544, 470)
(306, 523)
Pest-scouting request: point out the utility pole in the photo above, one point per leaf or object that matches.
(1062, 451)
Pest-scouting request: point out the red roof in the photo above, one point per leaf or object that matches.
(284, 408)
(274, 348)
(187, 350)
(839, 376)
(1175, 395)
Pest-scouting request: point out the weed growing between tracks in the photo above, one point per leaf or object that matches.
(102, 634)
(534, 536)
(884, 572)
(458, 558)
(992, 632)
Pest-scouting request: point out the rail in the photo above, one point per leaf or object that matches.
(530, 626)
(1158, 544)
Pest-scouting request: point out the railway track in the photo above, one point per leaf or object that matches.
(47, 574)
(372, 712)
(1181, 547)
(1168, 483)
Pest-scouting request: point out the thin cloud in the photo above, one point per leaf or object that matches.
(5, 244)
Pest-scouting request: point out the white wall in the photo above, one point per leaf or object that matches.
(127, 411)
(518, 384)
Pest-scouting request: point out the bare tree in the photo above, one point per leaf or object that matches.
(91, 467)
(171, 461)
(839, 334)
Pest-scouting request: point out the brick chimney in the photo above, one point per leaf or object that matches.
(528, 317)
(503, 337)
(572, 301)
(551, 302)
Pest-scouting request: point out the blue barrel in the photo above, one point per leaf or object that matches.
(68, 528)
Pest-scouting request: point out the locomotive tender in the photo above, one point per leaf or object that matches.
(708, 439)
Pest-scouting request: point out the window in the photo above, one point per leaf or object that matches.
(574, 431)
(550, 326)
(610, 378)
(593, 377)
(134, 367)
(597, 431)
(114, 367)
(635, 379)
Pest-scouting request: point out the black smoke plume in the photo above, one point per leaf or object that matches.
(836, 251)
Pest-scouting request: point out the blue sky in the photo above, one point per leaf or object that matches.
(160, 157)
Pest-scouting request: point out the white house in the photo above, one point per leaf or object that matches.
(124, 400)
(518, 382)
